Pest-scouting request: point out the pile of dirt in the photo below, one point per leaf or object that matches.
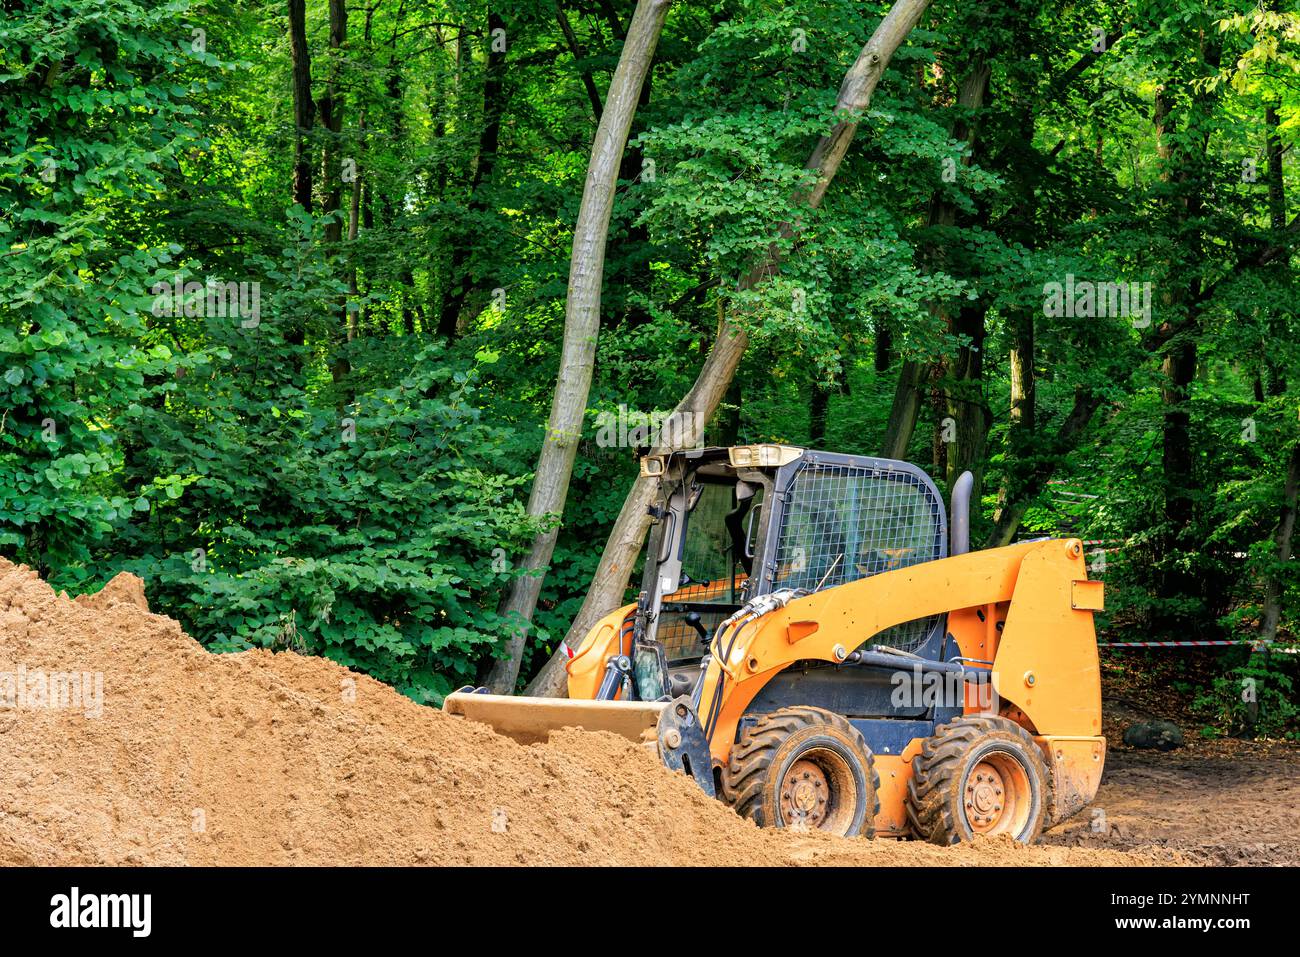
(185, 757)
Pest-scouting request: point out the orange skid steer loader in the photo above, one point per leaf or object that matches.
(815, 644)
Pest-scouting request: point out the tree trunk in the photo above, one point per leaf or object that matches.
(1275, 323)
(1185, 159)
(1023, 385)
(331, 114)
(581, 328)
(575, 49)
(1021, 416)
(304, 108)
(938, 412)
(912, 376)
(354, 227)
(304, 111)
(331, 117)
(964, 395)
(1274, 586)
(962, 418)
(884, 347)
(1180, 370)
(819, 401)
(394, 103)
(489, 139)
(904, 411)
(698, 406)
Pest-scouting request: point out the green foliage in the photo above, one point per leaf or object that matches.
(1256, 698)
(264, 505)
(89, 115)
(375, 535)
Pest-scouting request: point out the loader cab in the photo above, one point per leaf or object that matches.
(735, 523)
(711, 524)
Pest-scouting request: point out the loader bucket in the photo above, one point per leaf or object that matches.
(529, 720)
(671, 725)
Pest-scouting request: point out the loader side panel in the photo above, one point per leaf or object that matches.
(611, 636)
(1046, 661)
(855, 692)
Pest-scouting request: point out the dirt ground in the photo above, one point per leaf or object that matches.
(192, 758)
(1214, 801)
(1238, 808)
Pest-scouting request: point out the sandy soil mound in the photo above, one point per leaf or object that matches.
(193, 758)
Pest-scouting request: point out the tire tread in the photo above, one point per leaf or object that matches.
(930, 812)
(745, 773)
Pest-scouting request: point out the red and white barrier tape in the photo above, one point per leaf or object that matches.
(1194, 644)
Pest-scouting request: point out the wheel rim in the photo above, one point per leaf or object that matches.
(818, 792)
(997, 798)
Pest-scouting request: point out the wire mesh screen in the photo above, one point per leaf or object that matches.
(842, 523)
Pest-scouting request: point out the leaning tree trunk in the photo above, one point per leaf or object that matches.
(581, 327)
(1006, 521)
(904, 410)
(695, 411)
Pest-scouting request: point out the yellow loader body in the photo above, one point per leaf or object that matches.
(1015, 638)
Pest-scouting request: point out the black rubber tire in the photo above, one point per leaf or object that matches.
(935, 806)
(769, 747)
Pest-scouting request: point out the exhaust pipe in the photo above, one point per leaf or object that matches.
(959, 515)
